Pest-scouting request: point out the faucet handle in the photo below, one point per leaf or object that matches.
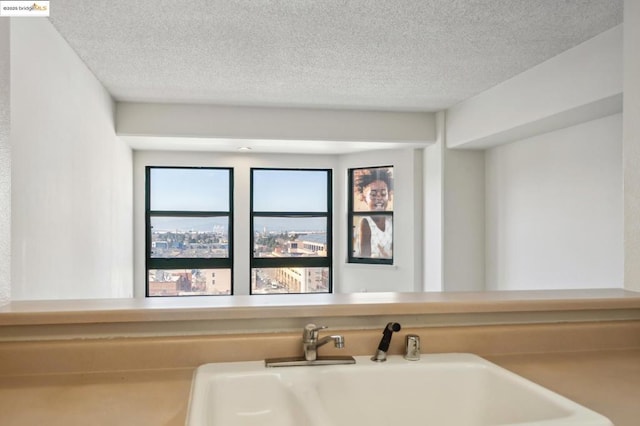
(310, 332)
(412, 347)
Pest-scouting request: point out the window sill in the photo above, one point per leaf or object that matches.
(370, 266)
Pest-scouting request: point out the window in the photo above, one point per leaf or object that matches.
(189, 227)
(290, 231)
(371, 215)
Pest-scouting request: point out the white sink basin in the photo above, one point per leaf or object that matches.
(438, 390)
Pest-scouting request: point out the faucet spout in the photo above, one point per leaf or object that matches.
(311, 342)
(338, 341)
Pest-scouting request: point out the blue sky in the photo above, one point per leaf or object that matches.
(207, 190)
(290, 190)
(189, 189)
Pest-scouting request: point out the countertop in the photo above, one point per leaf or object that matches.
(239, 307)
(605, 381)
(143, 398)
(181, 316)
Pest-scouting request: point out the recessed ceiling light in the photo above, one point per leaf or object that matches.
(244, 148)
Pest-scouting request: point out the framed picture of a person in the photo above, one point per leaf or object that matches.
(371, 215)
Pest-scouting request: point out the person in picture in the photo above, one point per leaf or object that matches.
(375, 232)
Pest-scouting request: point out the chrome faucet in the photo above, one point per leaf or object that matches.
(311, 343)
(412, 347)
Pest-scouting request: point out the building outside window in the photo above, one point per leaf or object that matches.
(291, 225)
(189, 231)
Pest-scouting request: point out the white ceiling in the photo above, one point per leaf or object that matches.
(419, 55)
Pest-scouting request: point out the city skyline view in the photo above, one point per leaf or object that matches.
(217, 281)
(214, 224)
(200, 229)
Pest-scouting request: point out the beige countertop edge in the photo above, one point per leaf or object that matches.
(302, 306)
(147, 380)
(605, 381)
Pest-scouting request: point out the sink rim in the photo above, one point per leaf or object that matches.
(305, 378)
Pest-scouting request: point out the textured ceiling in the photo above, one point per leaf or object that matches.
(421, 55)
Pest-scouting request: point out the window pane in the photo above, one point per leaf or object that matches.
(189, 282)
(372, 189)
(290, 190)
(290, 237)
(189, 189)
(189, 237)
(289, 280)
(373, 237)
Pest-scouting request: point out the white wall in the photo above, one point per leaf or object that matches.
(580, 84)
(554, 209)
(405, 274)
(137, 121)
(5, 165)
(631, 145)
(464, 220)
(347, 278)
(433, 208)
(547, 175)
(454, 216)
(71, 175)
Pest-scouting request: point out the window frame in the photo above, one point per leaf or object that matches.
(351, 213)
(292, 262)
(187, 263)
